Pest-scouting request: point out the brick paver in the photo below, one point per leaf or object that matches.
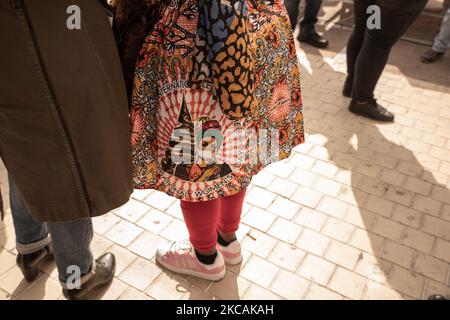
(360, 211)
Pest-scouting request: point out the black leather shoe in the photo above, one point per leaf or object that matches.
(314, 39)
(29, 263)
(371, 110)
(437, 297)
(431, 56)
(348, 86)
(105, 266)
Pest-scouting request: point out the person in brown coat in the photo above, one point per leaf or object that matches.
(64, 134)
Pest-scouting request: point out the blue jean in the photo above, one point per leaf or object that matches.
(70, 240)
(442, 40)
(309, 20)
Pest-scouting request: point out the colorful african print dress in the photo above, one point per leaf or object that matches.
(216, 97)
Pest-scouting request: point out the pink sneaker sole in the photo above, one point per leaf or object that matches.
(212, 276)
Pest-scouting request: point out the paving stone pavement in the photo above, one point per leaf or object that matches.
(360, 211)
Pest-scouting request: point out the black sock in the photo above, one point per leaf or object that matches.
(223, 242)
(206, 259)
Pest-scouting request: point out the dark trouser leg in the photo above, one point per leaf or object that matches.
(356, 40)
(292, 9)
(308, 23)
(377, 45)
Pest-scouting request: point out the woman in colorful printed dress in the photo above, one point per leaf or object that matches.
(216, 98)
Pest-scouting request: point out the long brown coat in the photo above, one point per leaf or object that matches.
(64, 128)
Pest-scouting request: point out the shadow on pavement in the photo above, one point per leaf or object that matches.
(359, 147)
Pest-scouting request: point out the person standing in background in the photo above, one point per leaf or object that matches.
(64, 136)
(308, 33)
(368, 51)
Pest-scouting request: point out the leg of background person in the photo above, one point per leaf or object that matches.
(292, 9)
(309, 20)
(377, 45)
(356, 40)
(31, 236)
(201, 220)
(442, 40)
(71, 245)
(230, 215)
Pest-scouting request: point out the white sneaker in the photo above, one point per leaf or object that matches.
(232, 253)
(180, 257)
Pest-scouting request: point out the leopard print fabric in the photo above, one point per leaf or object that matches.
(226, 59)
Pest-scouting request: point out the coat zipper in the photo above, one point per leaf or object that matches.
(21, 6)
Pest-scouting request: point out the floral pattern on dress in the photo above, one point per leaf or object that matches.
(224, 74)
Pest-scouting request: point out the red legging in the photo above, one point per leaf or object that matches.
(203, 219)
